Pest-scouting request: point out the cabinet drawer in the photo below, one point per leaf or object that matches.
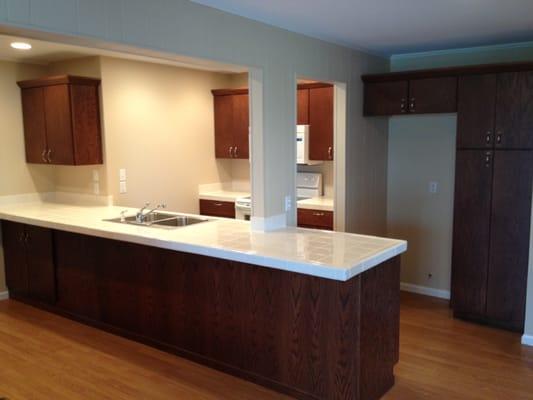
(216, 208)
(315, 219)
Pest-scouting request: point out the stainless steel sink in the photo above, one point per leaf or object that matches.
(160, 220)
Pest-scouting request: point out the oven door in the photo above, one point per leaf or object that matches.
(243, 211)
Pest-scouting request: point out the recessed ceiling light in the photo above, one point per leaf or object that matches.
(21, 45)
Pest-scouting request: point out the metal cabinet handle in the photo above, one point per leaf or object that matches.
(49, 155)
(402, 105)
(235, 152)
(218, 204)
(499, 137)
(318, 214)
(412, 106)
(43, 155)
(488, 137)
(231, 151)
(21, 237)
(330, 153)
(487, 159)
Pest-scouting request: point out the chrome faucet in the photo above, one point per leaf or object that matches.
(140, 217)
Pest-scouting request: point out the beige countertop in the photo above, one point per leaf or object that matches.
(316, 203)
(332, 255)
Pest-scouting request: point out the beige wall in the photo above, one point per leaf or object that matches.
(421, 150)
(158, 123)
(17, 177)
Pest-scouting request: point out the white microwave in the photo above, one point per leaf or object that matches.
(302, 145)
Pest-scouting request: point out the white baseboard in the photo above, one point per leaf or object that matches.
(409, 287)
(527, 340)
(4, 295)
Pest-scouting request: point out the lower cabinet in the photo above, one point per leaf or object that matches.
(315, 219)
(492, 215)
(215, 208)
(29, 261)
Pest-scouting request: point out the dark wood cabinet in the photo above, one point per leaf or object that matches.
(302, 106)
(514, 111)
(476, 111)
(315, 219)
(491, 235)
(386, 98)
(433, 95)
(321, 115)
(471, 230)
(231, 123)
(215, 208)
(62, 120)
(29, 261)
(509, 237)
(416, 96)
(257, 323)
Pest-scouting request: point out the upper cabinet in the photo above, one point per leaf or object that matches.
(314, 108)
(321, 123)
(62, 120)
(495, 111)
(231, 123)
(413, 96)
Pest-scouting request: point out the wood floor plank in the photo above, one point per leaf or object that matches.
(44, 356)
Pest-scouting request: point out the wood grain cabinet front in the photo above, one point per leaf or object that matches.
(62, 120)
(215, 208)
(29, 261)
(231, 123)
(315, 219)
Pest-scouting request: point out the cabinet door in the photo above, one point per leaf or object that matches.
(223, 126)
(433, 95)
(475, 111)
(302, 107)
(34, 125)
(77, 258)
(41, 266)
(471, 230)
(315, 219)
(514, 111)
(13, 239)
(321, 123)
(241, 126)
(385, 98)
(509, 244)
(86, 124)
(215, 208)
(58, 125)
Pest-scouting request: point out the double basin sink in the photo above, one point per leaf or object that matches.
(160, 220)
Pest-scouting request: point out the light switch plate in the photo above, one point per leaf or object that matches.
(433, 187)
(123, 188)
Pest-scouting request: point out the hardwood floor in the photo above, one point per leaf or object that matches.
(43, 356)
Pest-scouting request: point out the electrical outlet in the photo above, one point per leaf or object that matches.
(96, 176)
(433, 187)
(96, 188)
(123, 188)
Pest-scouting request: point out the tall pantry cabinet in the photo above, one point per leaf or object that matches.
(493, 186)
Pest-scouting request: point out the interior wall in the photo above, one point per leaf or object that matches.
(422, 150)
(159, 126)
(79, 179)
(16, 176)
(186, 28)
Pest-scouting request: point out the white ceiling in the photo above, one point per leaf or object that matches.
(44, 53)
(390, 27)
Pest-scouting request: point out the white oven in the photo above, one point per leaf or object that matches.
(243, 208)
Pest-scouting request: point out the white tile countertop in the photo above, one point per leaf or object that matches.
(332, 255)
(316, 203)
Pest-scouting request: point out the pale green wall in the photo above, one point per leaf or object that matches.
(431, 131)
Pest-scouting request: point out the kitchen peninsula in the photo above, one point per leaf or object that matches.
(309, 313)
